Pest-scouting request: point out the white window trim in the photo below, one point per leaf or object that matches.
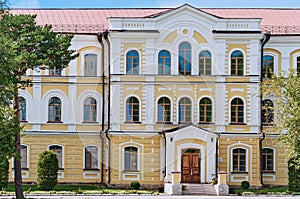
(276, 72)
(140, 108)
(98, 155)
(62, 155)
(28, 98)
(245, 109)
(244, 60)
(27, 162)
(140, 61)
(201, 48)
(274, 156)
(247, 158)
(295, 61)
(192, 112)
(82, 56)
(171, 104)
(212, 106)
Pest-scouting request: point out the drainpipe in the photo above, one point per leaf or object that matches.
(165, 153)
(217, 156)
(99, 37)
(263, 41)
(108, 107)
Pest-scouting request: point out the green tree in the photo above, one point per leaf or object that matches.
(47, 168)
(4, 165)
(284, 91)
(28, 46)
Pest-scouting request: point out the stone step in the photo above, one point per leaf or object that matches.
(199, 189)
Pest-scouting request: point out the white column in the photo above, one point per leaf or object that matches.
(219, 58)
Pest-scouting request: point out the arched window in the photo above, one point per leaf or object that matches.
(91, 157)
(298, 66)
(185, 110)
(22, 103)
(237, 111)
(237, 63)
(132, 110)
(24, 157)
(164, 62)
(205, 110)
(90, 65)
(268, 160)
(267, 112)
(59, 152)
(185, 58)
(205, 63)
(239, 160)
(268, 66)
(164, 110)
(90, 110)
(54, 110)
(132, 62)
(131, 159)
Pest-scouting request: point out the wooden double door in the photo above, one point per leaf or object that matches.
(190, 166)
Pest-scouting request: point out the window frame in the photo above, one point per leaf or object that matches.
(239, 170)
(205, 65)
(62, 155)
(185, 109)
(187, 62)
(55, 72)
(234, 62)
(22, 114)
(91, 160)
(131, 169)
(27, 156)
(265, 72)
(163, 66)
(92, 110)
(236, 122)
(132, 71)
(90, 71)
(266, 160)
(127, 103)
(55, 111)
(163, 110)
(267, 120)
(205, 116)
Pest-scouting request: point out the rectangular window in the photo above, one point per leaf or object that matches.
(24, 157)
(91, 157)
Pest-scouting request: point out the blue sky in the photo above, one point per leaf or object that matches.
(153, 3)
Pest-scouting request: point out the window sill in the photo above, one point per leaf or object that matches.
(23, 121)
(206, 123)
(238, 124)
(164, 123)
(23, 169)
(269, 172)
(54, 122)
(268, 125)
(131, 171)
(90, 122)
(185, 122)
(239, 172)
(132, 122)
(91, 169)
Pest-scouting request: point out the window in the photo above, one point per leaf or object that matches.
(237, 111)
(239, 160)
(298, 66)
(132, 62)
(22, 104)
(90, 110)
(91, 157)
(132, 110)
(54, 110)
(90, 65)
(59, 152)
(205, 110)
(237, 63)
(54, 71)
(24, 157)
(164, 63)
(267, 112)
(185, 110)
(205, 63)
(131, 159)
(164, 110)
(268, 66)
(185, 59)
(268, 160)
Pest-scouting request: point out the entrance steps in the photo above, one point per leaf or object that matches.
(198, 189)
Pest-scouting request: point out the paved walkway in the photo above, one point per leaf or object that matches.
(154, 197)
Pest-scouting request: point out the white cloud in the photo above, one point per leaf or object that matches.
(26, 4)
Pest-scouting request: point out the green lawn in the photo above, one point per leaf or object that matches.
(273, 190)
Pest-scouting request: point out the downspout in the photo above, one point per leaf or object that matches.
(108, 106)
(165, 153)
(99, 37)
(217, 156)
(263, 41)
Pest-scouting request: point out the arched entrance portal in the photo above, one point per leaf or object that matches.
(190, 165)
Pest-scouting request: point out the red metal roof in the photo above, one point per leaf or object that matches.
(95, 20)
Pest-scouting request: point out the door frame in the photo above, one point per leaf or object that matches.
(192, 151)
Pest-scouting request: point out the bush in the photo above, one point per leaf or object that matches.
(245, 185)
(4, 166)
(294, 174)
(135, 185)
(47, 168)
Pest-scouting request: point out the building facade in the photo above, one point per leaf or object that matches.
(155, 91)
